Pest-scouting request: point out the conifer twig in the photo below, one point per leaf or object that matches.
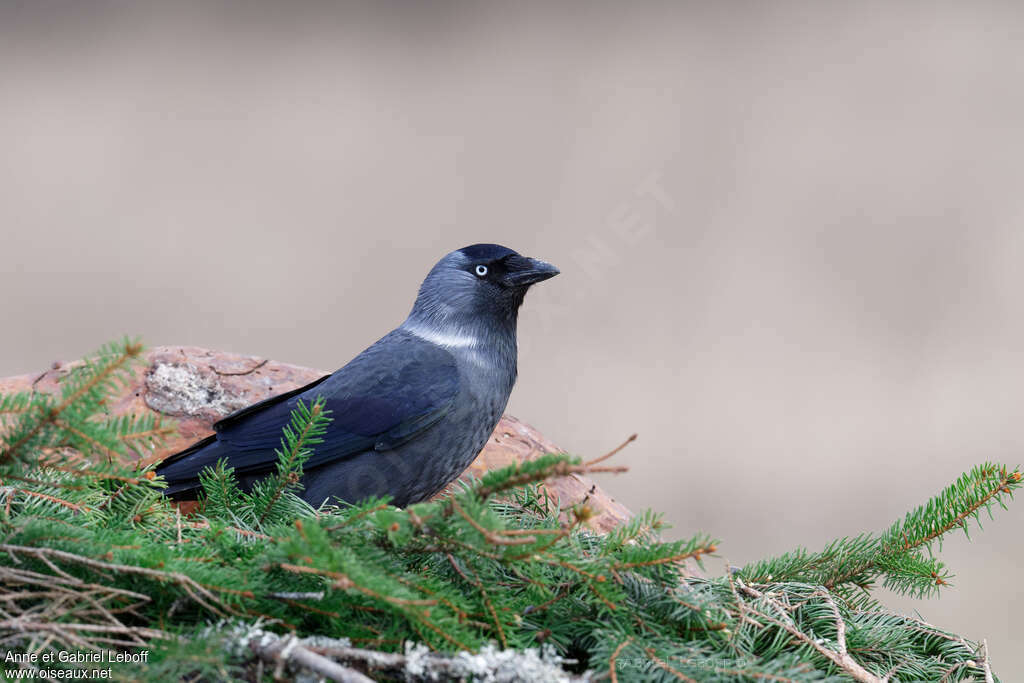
(1002, 485)
(294, 447)
(25, 625)
(491, 536)
(842, 660)
(50, 415)
(560, 469)
(189, 585)
(695, 553)
(71, 429)
(613, 661)
(53, 499)
(591, 463)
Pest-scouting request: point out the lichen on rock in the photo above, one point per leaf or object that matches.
(183, 389)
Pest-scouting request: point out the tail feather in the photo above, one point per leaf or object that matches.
(181, 470)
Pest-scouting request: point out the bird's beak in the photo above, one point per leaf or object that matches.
(530, 271)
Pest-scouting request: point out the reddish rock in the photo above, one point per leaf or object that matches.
(196, 387)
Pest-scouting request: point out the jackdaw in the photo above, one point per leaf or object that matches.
(411, 412)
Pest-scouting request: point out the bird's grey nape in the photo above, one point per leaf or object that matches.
(452, 308)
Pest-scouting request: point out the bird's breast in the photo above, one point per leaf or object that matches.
(487, 381)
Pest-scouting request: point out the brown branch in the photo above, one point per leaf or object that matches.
(96, 474)
(54, 499)
(710, 625)
(600, 597)
(475, 581)
(61, 424)
(357, 517)
(446, 636)
(555, 562)
(463, 614)
(703, 550)
(30, 577)
(239, 374)
(56, 607)
(16, 411)
(55, 484)
(491, 536)
(197, 591)
(559, 469)
(28, 626)
(591, 463)
(613, 660)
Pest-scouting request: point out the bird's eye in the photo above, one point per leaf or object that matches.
(481, 270)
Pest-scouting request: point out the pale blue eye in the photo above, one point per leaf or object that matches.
(481, 270)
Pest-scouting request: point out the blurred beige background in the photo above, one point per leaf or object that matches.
(791, 234)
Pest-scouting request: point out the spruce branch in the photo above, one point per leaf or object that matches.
(522, 474)
(82, 393)
(851, 565)
(94, 556)
(15, 404)
(308, 425)
(44, 424)
(140, 433)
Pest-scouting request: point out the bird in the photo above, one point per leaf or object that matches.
(409, 413)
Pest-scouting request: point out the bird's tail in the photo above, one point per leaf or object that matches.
(181, 470)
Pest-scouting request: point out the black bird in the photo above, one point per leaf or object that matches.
(410, 412)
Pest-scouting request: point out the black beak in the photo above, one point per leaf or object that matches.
(529, 271)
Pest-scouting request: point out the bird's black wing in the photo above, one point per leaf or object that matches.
(259, 405)
(265, 403)
(384, 397)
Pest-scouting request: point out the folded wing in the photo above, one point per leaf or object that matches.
(384, 397)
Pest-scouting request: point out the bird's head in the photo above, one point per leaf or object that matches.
(477, 285)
